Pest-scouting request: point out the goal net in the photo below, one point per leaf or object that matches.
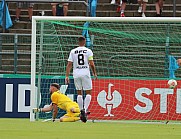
(133, 56)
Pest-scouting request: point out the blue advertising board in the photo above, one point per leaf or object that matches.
(15, 95)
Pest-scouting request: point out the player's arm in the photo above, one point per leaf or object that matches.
(68, 69)
(45, 109)
(55, 111)
(91, 63)
(93, 68)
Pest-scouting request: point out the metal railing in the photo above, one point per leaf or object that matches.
(14, 46)
(14, 41)
(85, 2)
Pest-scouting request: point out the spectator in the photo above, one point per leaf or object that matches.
(21, 5)
(93, 7)
(7, 18)
(142, 7)
(159, 7)
(119, 2)
(121, 7)
(59, 9)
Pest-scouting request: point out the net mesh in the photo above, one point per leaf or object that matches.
(131, 61)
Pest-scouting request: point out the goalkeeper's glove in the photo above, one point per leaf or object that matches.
(35, 110)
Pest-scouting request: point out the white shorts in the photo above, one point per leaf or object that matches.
(84, 82)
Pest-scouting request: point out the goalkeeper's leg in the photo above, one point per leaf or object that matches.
(73, 113)
(69, 119)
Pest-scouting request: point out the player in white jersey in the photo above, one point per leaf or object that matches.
(81, 58)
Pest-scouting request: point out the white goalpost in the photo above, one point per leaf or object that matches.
(132, 57)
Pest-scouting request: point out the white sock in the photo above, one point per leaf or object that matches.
(120, 2)
(80, 101)
(87, 102)
(122, 11)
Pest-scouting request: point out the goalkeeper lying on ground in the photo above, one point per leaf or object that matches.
(65, 103)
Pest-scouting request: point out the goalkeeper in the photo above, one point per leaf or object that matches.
(65, 103)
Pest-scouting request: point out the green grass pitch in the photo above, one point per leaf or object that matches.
(23, 129)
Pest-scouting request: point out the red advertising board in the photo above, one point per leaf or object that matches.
(135, 100)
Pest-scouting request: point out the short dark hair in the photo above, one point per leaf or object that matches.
(81, 39)
(55, 85)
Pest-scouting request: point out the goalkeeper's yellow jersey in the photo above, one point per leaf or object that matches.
(61, 100)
